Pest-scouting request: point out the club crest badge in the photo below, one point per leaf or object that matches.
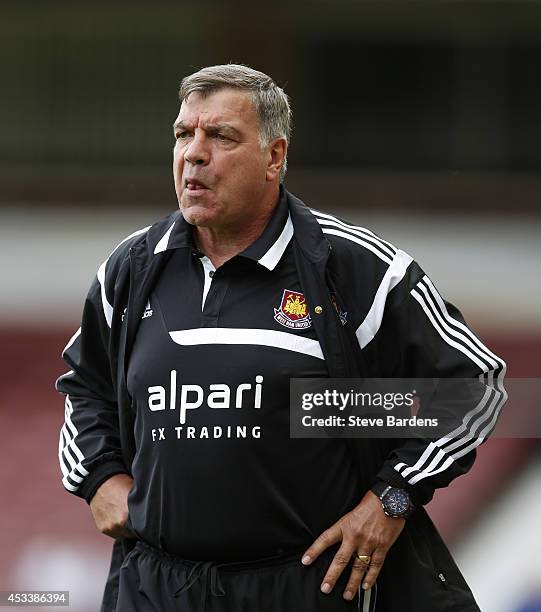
(293, 311)
(343, 315)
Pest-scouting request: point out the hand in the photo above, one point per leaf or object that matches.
(366, 530)
(109, 506)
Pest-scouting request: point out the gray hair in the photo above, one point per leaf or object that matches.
(270, 101)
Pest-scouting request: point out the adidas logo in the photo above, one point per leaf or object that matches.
(148, 311)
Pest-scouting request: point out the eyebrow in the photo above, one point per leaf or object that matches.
(179, 125)
(212, 128)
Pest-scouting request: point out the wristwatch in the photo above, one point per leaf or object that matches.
(395, 502)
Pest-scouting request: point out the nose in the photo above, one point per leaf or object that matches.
(196, 152)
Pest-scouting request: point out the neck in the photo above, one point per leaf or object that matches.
(220, 244)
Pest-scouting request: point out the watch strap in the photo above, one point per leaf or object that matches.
(380, 487)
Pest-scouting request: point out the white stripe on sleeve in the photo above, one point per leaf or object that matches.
(360, 241)
(494, 359)
(68, 451)
(372, 322)
(323, 218)
(442, 328)
(457, 335)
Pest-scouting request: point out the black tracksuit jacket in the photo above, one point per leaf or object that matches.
(406, 331)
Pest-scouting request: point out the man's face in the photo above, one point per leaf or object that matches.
(220, 170)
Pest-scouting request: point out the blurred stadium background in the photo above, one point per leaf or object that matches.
(419, 120)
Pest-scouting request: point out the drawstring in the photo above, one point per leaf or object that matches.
(209, 571)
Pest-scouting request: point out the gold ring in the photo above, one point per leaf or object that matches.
(364, 558)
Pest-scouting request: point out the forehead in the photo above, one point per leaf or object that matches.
(222, 106)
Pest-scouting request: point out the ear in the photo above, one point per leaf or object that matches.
(277, 155)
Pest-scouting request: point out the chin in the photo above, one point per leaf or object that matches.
(197, 215)
(200, 211)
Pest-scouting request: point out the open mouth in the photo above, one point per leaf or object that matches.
(194, 185)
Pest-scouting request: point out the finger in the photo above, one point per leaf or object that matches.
(327, 538)
(376, 563)
(358, 570)
(127, 534)
(337, 566)
(117, 531)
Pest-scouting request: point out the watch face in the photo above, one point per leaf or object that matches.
(396, 502)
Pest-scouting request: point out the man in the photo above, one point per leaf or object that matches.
(176, 427)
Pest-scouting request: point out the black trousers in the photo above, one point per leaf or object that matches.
(153, 581)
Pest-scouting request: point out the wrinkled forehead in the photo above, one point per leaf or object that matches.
(226, 105)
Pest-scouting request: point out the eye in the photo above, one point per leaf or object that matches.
(222, 137)
(181, 135)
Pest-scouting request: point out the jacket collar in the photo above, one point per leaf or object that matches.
(292, 217)
(308, 234)
(175, 232)
(268, 249)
